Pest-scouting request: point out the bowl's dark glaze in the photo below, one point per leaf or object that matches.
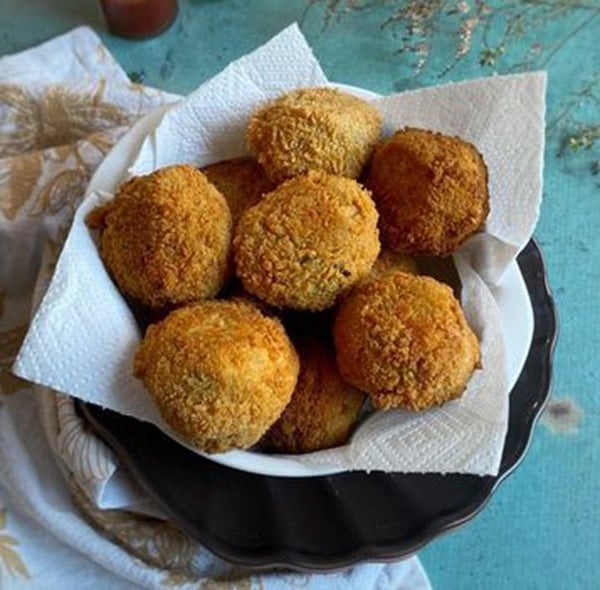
(325, 523)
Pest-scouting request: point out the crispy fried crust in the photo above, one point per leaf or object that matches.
(389, 261)
(165, 238)
(430, 190)
(220, 372)
(241, 181)
(314, 129)
(323, 409)
(404, 340)
(308, 241)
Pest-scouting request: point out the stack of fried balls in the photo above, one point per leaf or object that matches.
(288, 292)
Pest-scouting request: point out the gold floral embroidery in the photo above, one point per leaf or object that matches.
(64, 190)
(59, 116)
(160, 544)
(52, 179)
(18, 179)
(104, 140)
(12, 104)
(154, 541)
(9, 557)
(88, 457)
(10, 342)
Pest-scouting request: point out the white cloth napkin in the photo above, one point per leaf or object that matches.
(70, 552)
(84, 321)
(57, 479)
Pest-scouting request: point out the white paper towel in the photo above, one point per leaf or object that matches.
(83, 336)
(504, 117)
(210, 125)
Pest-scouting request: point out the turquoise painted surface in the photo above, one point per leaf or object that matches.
(540, 530)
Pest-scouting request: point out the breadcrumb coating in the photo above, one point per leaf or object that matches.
(430, 190)
(220, 372)
(389, 261)
(314, 129)
(307, 242)
(241, 181)
(165, 238)
(404, 340)
(323, 409)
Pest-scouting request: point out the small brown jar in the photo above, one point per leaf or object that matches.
(138, 18)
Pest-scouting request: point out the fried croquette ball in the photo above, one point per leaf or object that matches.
(165, 237)
(430, 190)
(307, 242)
(323, 409)
(314, 129)
(389, 261)
(405, 341)
(242, 296)
(220, 373)
(241, 181)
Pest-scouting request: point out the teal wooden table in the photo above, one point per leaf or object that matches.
(541, 528)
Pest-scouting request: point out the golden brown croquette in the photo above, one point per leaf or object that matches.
(165, 238)
(307, 242)
(323, 409)
(314, 129)
(241, 181)
(389, 261)
(220, 372)
(405, 341)
(430, 190)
